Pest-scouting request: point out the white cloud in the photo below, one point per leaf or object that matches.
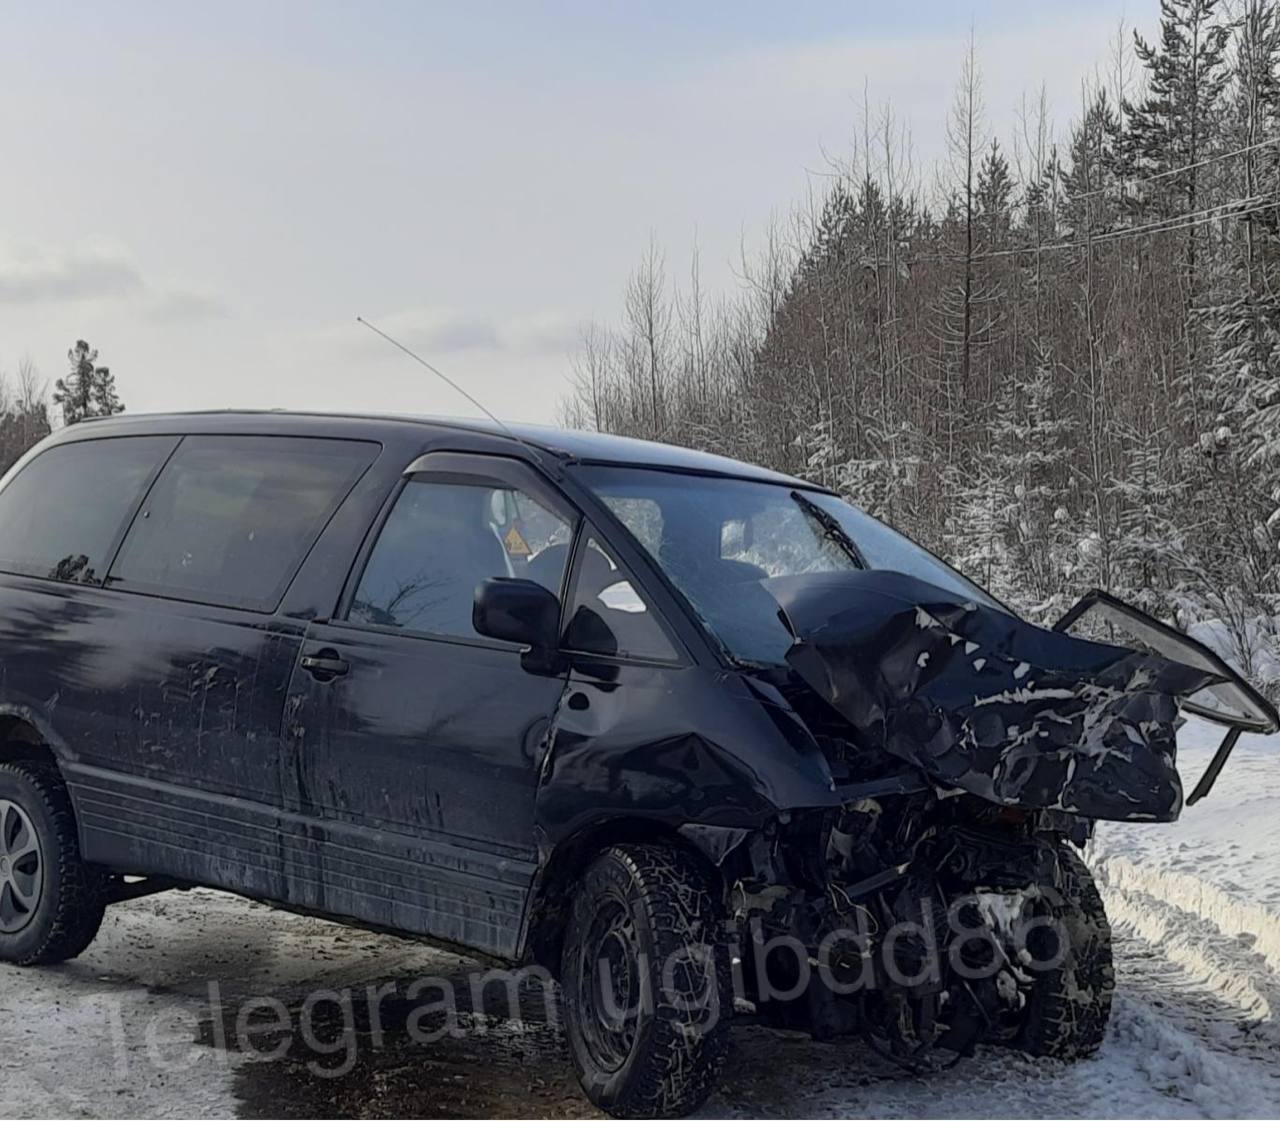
(443, 332)
(545, 332)
(96, 273)
(48, 274)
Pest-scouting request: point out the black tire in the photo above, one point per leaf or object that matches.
(1068, 1006)
(52, 903)
(648, 913)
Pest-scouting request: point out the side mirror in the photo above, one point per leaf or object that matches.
(519, 611)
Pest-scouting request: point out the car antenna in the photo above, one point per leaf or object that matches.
(454, 385)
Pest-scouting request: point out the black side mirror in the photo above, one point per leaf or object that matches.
(519, 611)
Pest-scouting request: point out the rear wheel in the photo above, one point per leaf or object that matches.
(647, 989)
(1068, 1005)
(51, 902)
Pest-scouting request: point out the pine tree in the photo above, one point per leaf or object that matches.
(1171, 127)
(973, 533)
(994, 197)
(1149, 554)
(1031, 445)
(105, 400)
(821, 452)
(1171, 133)
(75, 392)
(1092, 180)
(1256, 358)
(88, 389)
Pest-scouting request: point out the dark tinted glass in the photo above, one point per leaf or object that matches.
(441, 540)
(608, 615)
(65, 509)
(231, 517)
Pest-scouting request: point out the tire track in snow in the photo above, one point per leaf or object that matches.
(1174, 1033)
(1194, 896)
(1196, 988)
(1199, 956)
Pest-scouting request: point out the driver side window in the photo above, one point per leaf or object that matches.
(441, 539)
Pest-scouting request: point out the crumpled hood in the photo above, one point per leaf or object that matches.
(983, 701)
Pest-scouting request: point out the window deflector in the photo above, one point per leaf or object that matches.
(1232, 702)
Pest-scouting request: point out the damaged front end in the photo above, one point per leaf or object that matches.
(907, 919)
(969, 749)
(981, 701)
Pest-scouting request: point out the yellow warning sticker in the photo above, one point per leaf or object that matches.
(516, 545)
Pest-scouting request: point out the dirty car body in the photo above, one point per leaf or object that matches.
(420, 674)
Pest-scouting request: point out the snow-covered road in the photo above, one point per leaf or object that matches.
(146, 1022)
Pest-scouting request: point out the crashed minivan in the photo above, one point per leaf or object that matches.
(703, 741)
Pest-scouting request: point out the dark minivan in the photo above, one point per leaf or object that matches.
(700, 739)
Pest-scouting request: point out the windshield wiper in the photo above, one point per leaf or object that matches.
(832, 530)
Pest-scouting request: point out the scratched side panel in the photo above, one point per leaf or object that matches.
(423, 885)
(168, 694)
(417, 771)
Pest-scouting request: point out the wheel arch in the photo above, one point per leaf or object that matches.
(546, 914)
(22, 738)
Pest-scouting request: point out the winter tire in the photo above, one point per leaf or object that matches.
(51, 902)
(647, 987)
(1068, 1006)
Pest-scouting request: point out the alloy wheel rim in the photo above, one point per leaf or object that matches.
(21, 868)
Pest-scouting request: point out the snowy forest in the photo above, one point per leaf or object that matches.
(1054, 358)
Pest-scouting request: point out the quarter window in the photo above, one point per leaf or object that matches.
(441, 539)
(62, 513)
(231, 517)
(609, 616)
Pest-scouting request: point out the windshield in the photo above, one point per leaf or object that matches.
(719, 539)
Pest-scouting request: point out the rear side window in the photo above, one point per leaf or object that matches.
(231, 517)
(62, 514)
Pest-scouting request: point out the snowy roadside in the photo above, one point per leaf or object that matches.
(1196, 909)
(1195, 906)
(139, 1025)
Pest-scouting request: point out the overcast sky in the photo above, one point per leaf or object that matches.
(211, 192)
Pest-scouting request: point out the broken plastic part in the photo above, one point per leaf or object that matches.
(985, 702)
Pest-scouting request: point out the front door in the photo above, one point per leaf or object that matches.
(412, 741)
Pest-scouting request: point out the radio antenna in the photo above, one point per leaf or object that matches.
(455, 386)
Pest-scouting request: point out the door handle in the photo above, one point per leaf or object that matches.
(325, 665)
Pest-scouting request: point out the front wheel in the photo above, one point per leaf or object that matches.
(1068, 1005)
(647, 987)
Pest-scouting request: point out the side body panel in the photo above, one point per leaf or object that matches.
(675, 745)
(164, 714)
(167, 719)
(417, 767)
(417, 770)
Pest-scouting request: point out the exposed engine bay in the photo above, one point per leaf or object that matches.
(944, 902)
(888, 895)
